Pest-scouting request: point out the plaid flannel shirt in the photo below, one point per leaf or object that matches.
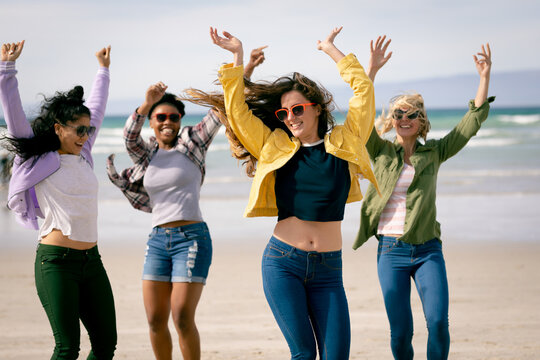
(192, 141)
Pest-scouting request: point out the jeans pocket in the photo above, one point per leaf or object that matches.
(385, 246)
(52, 259)
(333, 263)
(275, 252)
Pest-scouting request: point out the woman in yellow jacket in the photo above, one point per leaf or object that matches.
(307, 169)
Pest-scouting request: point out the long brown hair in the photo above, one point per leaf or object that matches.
(263, 99)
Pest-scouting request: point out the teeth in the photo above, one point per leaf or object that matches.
(167, 131)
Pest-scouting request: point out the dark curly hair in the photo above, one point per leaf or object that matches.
(263, 99)
(62, 108)
(170, 99)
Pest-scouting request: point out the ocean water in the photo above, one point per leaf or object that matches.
(496, 177)
(507, 146)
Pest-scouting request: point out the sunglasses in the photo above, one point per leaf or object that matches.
(82, 129)
(297, 110)
(398, 115)
(161, 117)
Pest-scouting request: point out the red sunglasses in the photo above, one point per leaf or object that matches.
(161, 117)
(297, 110)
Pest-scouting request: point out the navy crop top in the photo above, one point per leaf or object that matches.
(313, 185)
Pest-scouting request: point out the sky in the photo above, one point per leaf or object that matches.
(166, 40)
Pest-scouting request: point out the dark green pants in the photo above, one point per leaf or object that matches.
(72, 285)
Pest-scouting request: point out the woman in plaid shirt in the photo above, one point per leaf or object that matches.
(165, 180)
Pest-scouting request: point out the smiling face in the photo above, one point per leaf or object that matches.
(70, 142)
(406, 129)
(305, 126)
(165, 131)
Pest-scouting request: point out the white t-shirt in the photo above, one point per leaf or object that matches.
(68, 200)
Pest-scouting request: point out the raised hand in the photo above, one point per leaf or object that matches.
(377, 57)
(104, 56)
(11, 52)
(328, 45)
(483, 65)
(229, 43)
(154, 93)
(256, 58)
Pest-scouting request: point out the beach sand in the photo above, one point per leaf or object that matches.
(494, 282)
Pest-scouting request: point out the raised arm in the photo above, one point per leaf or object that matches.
(483, 65)
(229, 43)
(329, 47)
(256, 58)
(97, 100)
(248, 128)
(377, 56)
(14, 115)
(478, 112)
(135, 145)
(377, 59)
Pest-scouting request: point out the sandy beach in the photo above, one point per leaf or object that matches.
(494, 283)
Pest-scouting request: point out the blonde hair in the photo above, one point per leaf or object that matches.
(414, 102)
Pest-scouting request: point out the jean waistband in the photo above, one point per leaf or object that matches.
(180, 229)
(65, 251)
(394, 240)
(289, 249)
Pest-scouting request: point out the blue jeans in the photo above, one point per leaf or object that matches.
(397, 263)
(305, 292)
(180, 254)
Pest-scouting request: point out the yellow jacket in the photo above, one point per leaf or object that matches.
(274, 148)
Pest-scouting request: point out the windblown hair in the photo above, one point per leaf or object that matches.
(62, 108)
(170, 99)
(414, 102)
(263, 99)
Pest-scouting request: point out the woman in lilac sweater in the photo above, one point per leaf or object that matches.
(53, 179)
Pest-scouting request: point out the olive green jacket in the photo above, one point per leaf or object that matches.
(421, 224)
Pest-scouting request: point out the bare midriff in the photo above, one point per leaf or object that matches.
(309, 235)
(55, 237)
(178, 223)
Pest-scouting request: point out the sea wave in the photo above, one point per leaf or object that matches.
(492, 173)
(520, 119)
(482, 142)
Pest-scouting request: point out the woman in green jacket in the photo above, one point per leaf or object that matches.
(404, 218)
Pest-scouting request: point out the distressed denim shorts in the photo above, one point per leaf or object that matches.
(181, 254)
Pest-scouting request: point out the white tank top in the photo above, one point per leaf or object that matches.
(68, 200)
(173, 183)
(392, 220)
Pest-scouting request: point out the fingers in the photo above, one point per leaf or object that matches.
(261, 48)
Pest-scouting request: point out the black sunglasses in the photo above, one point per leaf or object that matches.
(161, 117)
(82, 129)
(398, 115)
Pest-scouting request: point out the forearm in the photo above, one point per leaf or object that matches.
(334, 53)
(135, 145)
(17, 124)
(482, 92)
(361, 114)
(97, 100)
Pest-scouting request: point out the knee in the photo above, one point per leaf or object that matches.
(184, 320)
(437, 326)
(157, 322)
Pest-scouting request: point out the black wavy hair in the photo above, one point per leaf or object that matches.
(170, 99)
(61, 108)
